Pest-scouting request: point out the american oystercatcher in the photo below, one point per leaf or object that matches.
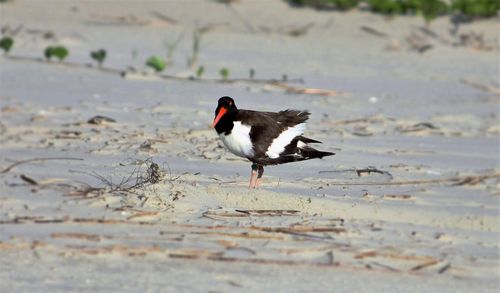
(264, 138)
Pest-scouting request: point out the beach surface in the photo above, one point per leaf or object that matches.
(409, 203)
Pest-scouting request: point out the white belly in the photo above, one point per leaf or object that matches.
(238, 141)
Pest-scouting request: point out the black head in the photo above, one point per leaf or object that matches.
(225, 108)
(226, 102)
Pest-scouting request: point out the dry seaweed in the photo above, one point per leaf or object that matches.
(137, 179)
(28, 180)
(98, 120)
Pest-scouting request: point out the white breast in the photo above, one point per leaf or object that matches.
(238, 141)
(279, 143)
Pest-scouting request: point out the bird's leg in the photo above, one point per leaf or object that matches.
(253, 177)
(260, 172)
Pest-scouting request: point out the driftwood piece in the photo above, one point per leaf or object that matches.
(360, 171)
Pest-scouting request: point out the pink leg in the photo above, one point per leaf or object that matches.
(253, 180)
(259, 175)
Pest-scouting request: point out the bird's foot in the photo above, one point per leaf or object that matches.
(257, 172)
(253, 180)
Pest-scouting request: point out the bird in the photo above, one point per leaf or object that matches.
(264, 138)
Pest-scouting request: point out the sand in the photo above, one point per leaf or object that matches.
(410, 201)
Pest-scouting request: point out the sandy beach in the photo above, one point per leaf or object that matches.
(409, 203)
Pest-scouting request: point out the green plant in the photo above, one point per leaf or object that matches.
(59, 52)
(345, 4)
(6, 44)
(476, 8)
(200, 71)
(387, 7)
(224, 73)
(157, 63)
(172, 46)
(196, 47)
(98, 56)
(431, 9)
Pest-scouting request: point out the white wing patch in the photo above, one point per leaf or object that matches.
(238, 141)
(279, 143)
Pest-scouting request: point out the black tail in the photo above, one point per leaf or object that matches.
(308, 152)
(307, 139)
(312, 153)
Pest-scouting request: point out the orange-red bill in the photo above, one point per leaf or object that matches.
(222, 111)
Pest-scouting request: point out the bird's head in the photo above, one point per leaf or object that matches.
(226, 106)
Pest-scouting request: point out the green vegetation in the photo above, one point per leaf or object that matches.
(6, 44)
(98, 56)
(224, 73)
(172, 46)
(196, 48)
(59, 52)
(429, 9)
(200, 71)
(157, 63)
(476, 8)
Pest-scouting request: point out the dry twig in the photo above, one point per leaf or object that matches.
(373, 31)
(36, 160)
(455, 181)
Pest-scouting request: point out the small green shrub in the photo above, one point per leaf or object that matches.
(387, 7)
(59, 52)
(476, 8)
(99, 56)
(172, 46)
(6, 44)
(196, 47)
(200, 71)
(345, 4)
(432, 9)
(157, 63)
(224, 73)
(429, 9)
